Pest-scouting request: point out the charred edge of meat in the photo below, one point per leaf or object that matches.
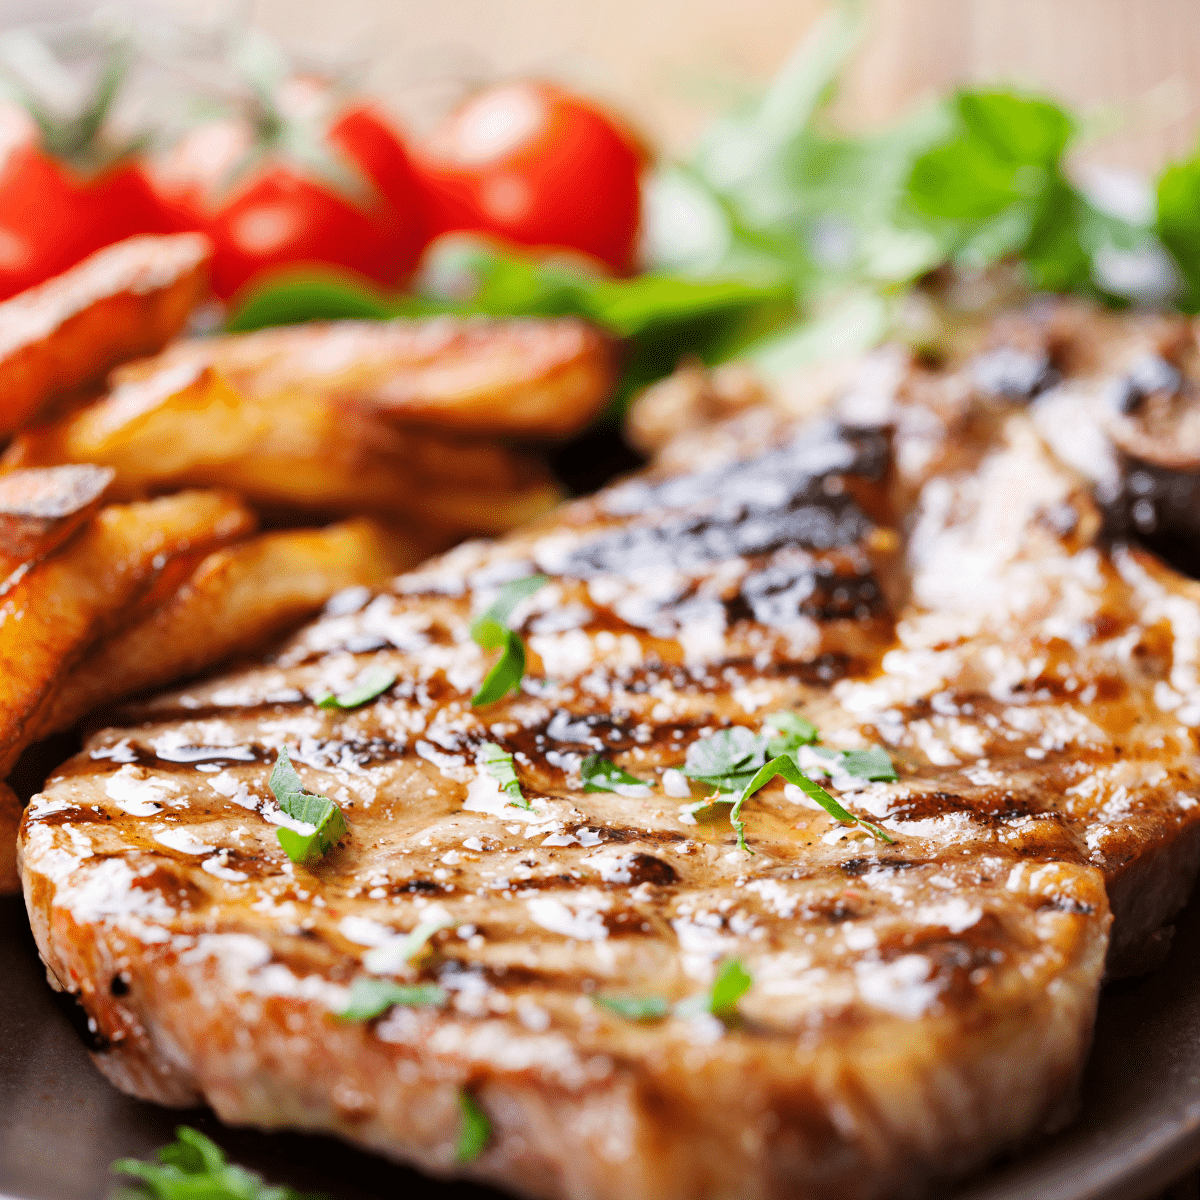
(1158, 508)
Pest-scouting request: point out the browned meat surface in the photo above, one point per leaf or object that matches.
(917, 1003)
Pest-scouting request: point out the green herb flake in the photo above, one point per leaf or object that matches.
(475, 1131)
(194, 1167)
(371, 997)
(600, 774)
(396, 953)
(791, 732)
(873, 763)
(733, 981)
(635, 1008)
(785, 766)
(727, 760)
(328, 824)
(491, 630)
(373, 683)
(500, 767)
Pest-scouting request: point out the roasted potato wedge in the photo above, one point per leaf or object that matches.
(235, 602)
(40, 509)
(488, 378)
(126, 300)
(53, 613)
(187, 424)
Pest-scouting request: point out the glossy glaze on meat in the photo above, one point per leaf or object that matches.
(917, 1005)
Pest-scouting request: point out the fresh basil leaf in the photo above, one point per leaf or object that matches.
(328, 823)
(369, 997)
(873, 763)
(599, 774)
(727, 759)
(786, 767)
(373, 683)
(194, 1167)
(732, 982)
(499, 766)
(490, 630)
(635, 1008)
(475, 1131)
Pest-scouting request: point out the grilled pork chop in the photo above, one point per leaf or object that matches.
(923, 991)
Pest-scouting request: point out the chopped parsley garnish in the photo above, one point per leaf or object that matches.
(476, 1129)
(737, 760)
(370, 997)
(733, 981)
(500, 767)
(785, 766)
(320, 812)
(727, 760)
(873, 763)
(373, 683)
(396, 953)
(600, 774)
(635, 1008)
(491, 630)
(194, 1167)
(791, 732)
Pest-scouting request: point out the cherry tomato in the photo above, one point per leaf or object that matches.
(283, 212)
(540, 167)
(51, 216)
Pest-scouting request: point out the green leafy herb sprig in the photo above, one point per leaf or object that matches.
(475, 1131)
(600, 774)
(371, 997)
(328, 824)
(739, 761)
(374, 682)
(490, 630)
(721, 999)
(194, 1167)
(396, 953)
(501, 768)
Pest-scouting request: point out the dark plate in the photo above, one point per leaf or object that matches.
(61, 1124)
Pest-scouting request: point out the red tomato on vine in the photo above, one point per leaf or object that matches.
(290, 183)
(65, 188)
(540, 167)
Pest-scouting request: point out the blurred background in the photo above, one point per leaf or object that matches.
(1131, 66)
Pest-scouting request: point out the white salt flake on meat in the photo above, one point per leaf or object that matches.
(581, 920)
(230, 786)
(676, 784)
(902, 987)
(362, 931)
(177, 838)
(136, 793)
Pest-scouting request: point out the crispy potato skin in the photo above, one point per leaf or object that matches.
(40, 509)
(539, 378)
(190, 424)
(58, 608)
(123, 301)
(236, 600)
